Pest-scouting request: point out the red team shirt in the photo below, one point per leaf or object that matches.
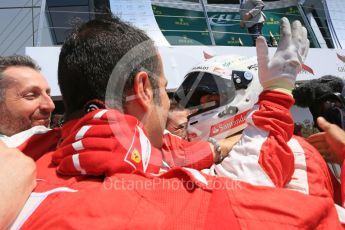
(87, 180)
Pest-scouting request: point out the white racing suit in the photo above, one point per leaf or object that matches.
(262, 156)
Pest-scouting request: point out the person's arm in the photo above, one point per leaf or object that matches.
(227, 144)
(334, 136)
(259, 5)
(195, 154)
(330, 142)
(318, 140)
(262, 156)
(179, 152)
(17, 180)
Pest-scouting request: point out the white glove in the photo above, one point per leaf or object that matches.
(280, 72)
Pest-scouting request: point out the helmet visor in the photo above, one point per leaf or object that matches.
(198, 85)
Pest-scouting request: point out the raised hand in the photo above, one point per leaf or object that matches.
(279, 72)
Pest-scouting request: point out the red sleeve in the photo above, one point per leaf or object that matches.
(342, 182)
(262, 156)
(276, 157)
(178, 152)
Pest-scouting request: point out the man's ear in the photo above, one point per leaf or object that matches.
(143, 89)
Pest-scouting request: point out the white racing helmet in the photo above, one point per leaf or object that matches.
(234, 81)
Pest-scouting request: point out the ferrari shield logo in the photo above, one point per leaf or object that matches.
(136, 156)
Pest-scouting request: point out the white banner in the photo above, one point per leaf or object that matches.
(140, 14)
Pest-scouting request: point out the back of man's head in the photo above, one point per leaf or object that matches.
(13, 61)
(89, 55)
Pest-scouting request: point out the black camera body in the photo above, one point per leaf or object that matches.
(332, 108)
(324, 97)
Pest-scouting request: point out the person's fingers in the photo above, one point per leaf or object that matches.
(296, 34)
(305, 44)
(321, 146)
(285, 34)
(317, 141)
(262, 52)
(235, 138)
(299, 40)
(323, 124)
(334, 131)
(316, 137)
(231, 141)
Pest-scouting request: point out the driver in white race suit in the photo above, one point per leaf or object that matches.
(224, 90)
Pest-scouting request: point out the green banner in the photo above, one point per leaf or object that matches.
(188, 27)
(182, 27)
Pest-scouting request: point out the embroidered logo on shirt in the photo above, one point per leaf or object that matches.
(135, 156)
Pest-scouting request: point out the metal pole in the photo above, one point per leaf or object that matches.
(40, 25)
(334, 36)
(308, 26)
(208, 23)
(33, 24)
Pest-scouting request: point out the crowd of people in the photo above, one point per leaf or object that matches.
(122, 160)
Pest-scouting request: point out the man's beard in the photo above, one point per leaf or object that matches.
(11, 124)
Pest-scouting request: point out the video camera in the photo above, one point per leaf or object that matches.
(332, 108)
(324, 97)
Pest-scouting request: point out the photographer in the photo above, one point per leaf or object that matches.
(324, 98)
(252, 17)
